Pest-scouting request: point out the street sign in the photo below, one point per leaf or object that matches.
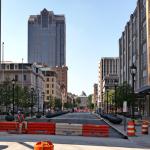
(125, 108)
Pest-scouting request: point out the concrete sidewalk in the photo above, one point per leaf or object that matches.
(139, 138)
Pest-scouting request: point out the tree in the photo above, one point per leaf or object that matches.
(123, 93)
(58, 103)
(78, 101)
(51, 102)
(90, 105)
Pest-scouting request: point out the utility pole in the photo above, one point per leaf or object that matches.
(0, 32)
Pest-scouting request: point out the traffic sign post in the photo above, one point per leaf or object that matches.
(125, 110)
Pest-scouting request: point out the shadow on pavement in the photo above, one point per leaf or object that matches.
(26, 145)
(3, 147)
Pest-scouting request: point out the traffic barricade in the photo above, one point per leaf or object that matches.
(44, 145)
(9, 126)
(131, 128)
(41, 128)
(95, 130)
(145, 126)
(68, 129)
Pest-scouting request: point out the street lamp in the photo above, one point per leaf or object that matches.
(43, 94)
(115, 84)
(107, 98)
(32, 92)
(133, 70)
(13, 83)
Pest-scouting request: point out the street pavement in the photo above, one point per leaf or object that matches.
(27, 141)
(139, 138)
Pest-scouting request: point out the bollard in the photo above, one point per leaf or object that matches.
(144, 127)
(131, 128)
(44, 145)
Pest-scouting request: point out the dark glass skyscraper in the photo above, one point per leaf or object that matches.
(47, 39)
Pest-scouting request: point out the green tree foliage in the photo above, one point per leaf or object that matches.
(124, 93)
(90, 105)
(51, 103)
(58, 103)
(22, 96)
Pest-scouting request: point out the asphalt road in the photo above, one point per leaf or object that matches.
(84, 118)
(27, 142)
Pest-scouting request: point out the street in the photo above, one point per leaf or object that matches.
(26, 142)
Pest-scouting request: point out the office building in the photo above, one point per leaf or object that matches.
(52, 87)
(134, 48)
(25, 75)
(95, 95)
(47, 39)
(108, 74)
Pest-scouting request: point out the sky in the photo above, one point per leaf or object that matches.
(93, 28)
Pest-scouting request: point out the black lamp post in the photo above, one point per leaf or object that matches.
(43, 94)
(32, 94)
(115, 84)
(107, 99)
(13, 102)
(38, 100)
(133, 70)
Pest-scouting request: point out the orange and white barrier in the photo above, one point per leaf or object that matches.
(95, 130)
(68, 129)
(56, 128)
(131, 128)
(145, 126)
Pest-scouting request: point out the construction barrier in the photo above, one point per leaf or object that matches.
(44, 145)
(41, 128)
(131, 128)
(145, 126)
(68, 129)
(9, 126)
(95, 130)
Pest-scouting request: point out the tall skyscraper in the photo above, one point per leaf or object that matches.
(47, 39)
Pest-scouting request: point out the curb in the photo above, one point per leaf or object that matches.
(120, 132)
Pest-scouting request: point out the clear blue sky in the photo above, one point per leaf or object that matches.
(93, 28)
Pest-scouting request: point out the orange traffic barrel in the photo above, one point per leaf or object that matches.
(44, 145)
(144, 127)
(131, 128)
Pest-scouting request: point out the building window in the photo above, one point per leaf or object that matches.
(47, 85)
(16, 66)
(24, 77)
(47, 97)
(47, 79)
(52, 85)
(16, 77)
(52, 79)
(47, 91)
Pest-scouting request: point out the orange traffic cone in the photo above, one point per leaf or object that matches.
(44, 145)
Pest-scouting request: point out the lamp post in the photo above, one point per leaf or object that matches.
(32, 92)
(13, 102)
(133, 70)
(38, 100)
(115, 84)
(43, 94)
(107, 99)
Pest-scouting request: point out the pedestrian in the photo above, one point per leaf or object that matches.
(22, 122)
(20, 117)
